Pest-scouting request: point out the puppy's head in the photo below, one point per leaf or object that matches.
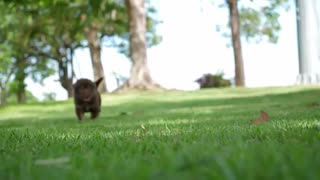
(84, 89)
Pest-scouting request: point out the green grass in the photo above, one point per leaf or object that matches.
(186, 135)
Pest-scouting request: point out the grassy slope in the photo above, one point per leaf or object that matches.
(187, 135)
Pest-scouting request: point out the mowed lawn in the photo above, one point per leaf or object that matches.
(167, 135)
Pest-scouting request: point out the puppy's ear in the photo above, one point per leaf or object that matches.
(98, 81)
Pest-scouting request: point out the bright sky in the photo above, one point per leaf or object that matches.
(191, 47)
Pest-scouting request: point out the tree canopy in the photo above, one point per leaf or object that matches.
(39, 38)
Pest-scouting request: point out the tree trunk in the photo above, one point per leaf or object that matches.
(67, 85)
(20, 77)
(95, 53)
(65, 80)
(3, 97)
(22, 96)
(236, 42)
(140, 77)
(69, 88)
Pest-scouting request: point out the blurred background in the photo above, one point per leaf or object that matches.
(46, 45)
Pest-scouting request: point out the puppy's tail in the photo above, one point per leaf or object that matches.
(98, 81)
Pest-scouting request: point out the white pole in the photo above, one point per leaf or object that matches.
(308, 41)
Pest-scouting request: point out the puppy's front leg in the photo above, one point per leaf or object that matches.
(80, 113)
(95, 114)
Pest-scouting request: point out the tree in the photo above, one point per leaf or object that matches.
(6, 62)
(253, 24)
(6, 72)
(17, 32)
(94, 44)
(94, 17)
(140, 77)
(50, 31)
(58, 42)
(60, 49)
(106, 21)
(11, 39)
(20, 76)
(236, 42)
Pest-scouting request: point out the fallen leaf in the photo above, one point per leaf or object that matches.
(314, 104)
(264, 117)
(138, 113)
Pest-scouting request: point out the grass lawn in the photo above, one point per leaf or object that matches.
(167, 135)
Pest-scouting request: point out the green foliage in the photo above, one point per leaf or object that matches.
(259, 23)
(14, 87)
(167, 135)
(42, 29)
(17, 35)
(152, 21)
(12, 98)
(122, 39)
(50, 96)
(6, 66)
(213, 81)
(220, 81)
(41, 69)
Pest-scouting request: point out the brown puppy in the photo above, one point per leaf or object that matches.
(87, 98)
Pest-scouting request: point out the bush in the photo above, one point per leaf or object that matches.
(213, 81)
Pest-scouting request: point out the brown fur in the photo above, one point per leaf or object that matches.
(87, 98)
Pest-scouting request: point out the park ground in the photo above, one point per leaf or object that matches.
(167, 135)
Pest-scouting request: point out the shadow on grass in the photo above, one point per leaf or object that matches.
(228, 111)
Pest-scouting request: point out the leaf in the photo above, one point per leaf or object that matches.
(264, 117)
(313, 104)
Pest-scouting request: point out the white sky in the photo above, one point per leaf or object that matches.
(191, 47)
